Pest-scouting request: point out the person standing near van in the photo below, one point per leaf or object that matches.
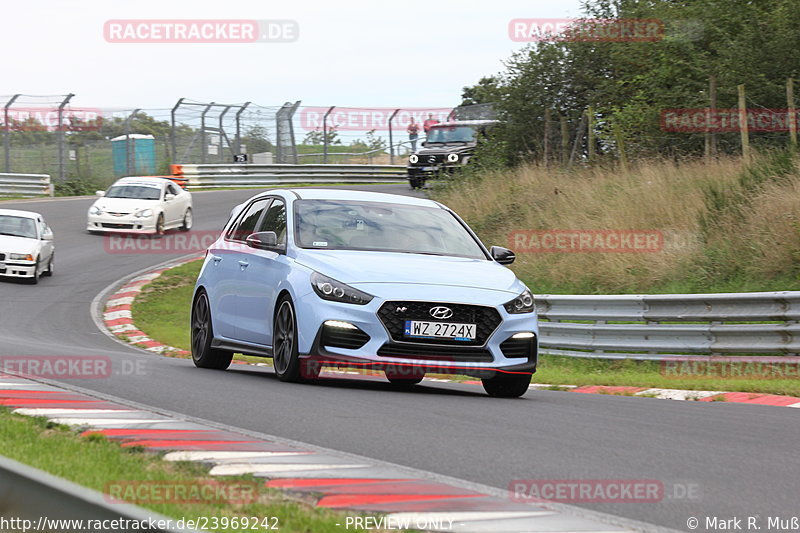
(413, 134)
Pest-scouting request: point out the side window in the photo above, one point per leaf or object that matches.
(246, 224)
(275, 220)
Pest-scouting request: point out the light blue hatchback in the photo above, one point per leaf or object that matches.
(324, 277)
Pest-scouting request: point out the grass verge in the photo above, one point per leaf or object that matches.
(98, 463)
(163, 309)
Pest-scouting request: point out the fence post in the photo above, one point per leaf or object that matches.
(172, 133)
(391, 143)
(203, 147)
(129, 154)
(221, 133)
(62, 169)
(325, 134)
(546, 137)
(239, 127)
(7, 132)
(743, 126)
(792, 112)
(590, 132)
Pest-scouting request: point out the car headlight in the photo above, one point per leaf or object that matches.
(413, 159)
(452, 158)
(94, 210)
(144, 213)
(336, 291)
(524, 303)
(20, 257)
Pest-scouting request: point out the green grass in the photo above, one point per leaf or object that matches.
(95, 462)
(163, 310)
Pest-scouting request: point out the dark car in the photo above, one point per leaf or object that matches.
(448, 146)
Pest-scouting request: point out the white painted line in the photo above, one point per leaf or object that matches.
(677, 394)
(548, 385)
(241, 469)
(219, 456)
(794, 405)
(60, 411)
(106, 421)
(122, 328)
(117, 314)
(438, 517)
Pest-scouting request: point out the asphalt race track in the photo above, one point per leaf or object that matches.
(739, 460)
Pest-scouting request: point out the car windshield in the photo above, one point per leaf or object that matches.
(451, 134)
(135, 192)
(17, 226)
(385, 227)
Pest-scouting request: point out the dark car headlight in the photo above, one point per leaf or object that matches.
(524, 303)
(336, 291)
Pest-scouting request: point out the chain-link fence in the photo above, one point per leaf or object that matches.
(51, 135)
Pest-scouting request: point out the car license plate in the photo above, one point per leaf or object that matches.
(440, 330)
(428, 169)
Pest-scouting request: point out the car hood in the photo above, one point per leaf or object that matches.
(124, 205)
(359, 268)
(446, 149)
(17, 245)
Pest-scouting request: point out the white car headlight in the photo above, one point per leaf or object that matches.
(144, 213)
(20, 257)
(413, 159)
(524, 303)
(94, 210)
(452, 158)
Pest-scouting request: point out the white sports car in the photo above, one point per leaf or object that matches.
(26, 245)
(141, 205)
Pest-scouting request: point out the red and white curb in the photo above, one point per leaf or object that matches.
(328, 479)
(118, 320)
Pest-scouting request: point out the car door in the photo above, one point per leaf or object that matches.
(46, 240)
(260, 279)
(173, 211)
(224, 268)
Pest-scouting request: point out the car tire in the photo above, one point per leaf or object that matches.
(203, 355)
(286, 358)
(416, 183)
(50, 266)
(187, 220)
(403, 379)
(160, 225)
(507, 385)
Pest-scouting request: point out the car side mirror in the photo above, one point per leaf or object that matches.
(100, 193)
(47, 236)
(264, 240)
(424, 143)
(504, 256)
(169, 197)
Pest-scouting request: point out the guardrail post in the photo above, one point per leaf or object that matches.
(62, 170)
(7, 132)
(222, 133)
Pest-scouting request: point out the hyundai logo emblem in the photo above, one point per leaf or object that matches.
(441, 312)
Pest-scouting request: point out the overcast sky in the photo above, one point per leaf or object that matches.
(356, 53)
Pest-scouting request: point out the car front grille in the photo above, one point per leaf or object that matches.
(393, 315)
(2, 257)
(116, 226)
(118, 214)
(436, 353)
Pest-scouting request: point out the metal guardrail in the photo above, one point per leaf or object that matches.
(27, 493)
(25, 185)
(665, 326)
(251, 175)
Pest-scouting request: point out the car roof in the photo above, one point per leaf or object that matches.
(16, 213)
(362, 196)
(142, 179)
(456, 123)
